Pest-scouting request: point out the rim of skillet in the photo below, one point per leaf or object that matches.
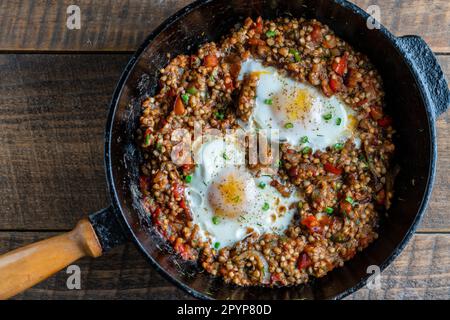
(130, 67)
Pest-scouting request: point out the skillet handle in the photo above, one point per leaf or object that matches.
(22, 268)
(428, 70)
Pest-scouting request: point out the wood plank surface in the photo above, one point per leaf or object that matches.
(121, 25)
(52, 116)
(422, 271)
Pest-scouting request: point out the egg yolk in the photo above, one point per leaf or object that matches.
(228, 196)
(295, 104)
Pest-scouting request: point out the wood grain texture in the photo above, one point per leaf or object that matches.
(422, 271)
(52, 116)
(121, 25)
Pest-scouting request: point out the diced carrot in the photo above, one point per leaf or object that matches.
(256, 42)
(179, 106)
(304, 261)
(332, 169)
(210, 61)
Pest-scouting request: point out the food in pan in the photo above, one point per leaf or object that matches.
(314, 200)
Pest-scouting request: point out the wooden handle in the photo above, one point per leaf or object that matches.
(24, 267)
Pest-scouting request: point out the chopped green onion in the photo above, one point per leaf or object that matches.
(270, 34)
(327, 116)
(279, 163)
(339, 146)
(188, 179)
(219, 115)
(265, 206)
(147, 140)
(159, 146)
(215, 220)
(350, 200)
(185, 98)
(296, 54)
(306, 150)
(191, 90)
(261, 185)
(338, 121)
(329, 210)
(224, 155)
(216, 245)
(289, 125)
(300, 205)
(268, 101)
(304, 139)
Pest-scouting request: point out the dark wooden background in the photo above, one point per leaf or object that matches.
(55, 86)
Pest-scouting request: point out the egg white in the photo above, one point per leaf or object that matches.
(298, 110)
(262, 210)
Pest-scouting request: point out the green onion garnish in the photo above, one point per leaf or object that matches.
(265, 206)
(329, 210)
(306, 150)
(268, 101)
(219, 115)
(289, 125)
(224, 155)
(270, 34)
(339, 146)
(159, 146)
(349, 200)
(215, 220)
(327, 116)
(188, 179)
(261, 185)
(216, 245)
(185, 98)
(300, 204)
(147, 140)
(304, 139)
(338, 121)
(191, 90)
(296, 54)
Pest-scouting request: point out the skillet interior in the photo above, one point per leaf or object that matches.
(209, 21)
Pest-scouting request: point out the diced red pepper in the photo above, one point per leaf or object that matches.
(316, 33)
(155, 216)
(182, 249)
(335, 85)
(178, 190)
(385, 122)
(210, 61)
(259, 25)
(256, 42)
(229, 83)
(341, 66)
(275, 277)
(346, 207)
(332, 169)
(312, 224)
(304, 261)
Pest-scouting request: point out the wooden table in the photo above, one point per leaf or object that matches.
(55, 86)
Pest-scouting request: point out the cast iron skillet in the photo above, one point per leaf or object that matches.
(416, 93)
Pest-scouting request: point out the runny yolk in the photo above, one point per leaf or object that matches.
(227, 196)
(294, 104)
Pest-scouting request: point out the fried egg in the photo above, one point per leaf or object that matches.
(227, 201)
(300, 112)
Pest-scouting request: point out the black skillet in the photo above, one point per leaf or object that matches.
(416, 94)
